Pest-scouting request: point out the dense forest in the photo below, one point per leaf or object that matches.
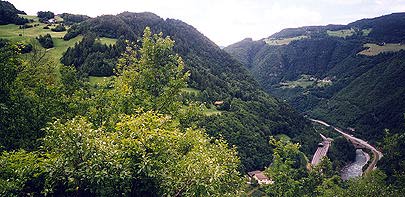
(93, 58)
(174, 115)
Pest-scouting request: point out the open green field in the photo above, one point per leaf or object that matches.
(60, 46)
(284, 41)
(366, 31)
(99, 81)
(190, 90)
(374, 49)
(29, 17)
(341, 33)
(211, 111)
(305, 81)
(107, 41)
(208, 111)
(12, 32)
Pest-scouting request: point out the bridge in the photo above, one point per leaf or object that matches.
(323, 148)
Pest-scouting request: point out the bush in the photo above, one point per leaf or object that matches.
(21, 171)
(59, 28)
(45, 41)
(25, 48)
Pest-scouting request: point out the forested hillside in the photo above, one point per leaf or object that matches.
(248, 115)
(350, 75)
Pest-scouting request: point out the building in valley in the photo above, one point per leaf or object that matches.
(260, 177)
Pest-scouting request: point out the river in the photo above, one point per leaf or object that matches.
(355, 169)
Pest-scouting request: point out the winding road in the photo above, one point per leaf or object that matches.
(358, 143)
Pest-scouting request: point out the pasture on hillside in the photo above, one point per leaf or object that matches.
(341, 33)
(284, 41)
(375, 49)
(28, 35)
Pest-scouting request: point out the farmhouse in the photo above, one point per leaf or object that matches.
(51, 21)
(260, 177)
(218, 103)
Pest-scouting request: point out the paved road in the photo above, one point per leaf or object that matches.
(358, 143)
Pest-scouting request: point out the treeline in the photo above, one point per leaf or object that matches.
(9, 14)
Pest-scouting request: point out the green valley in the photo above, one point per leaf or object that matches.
(122, 103)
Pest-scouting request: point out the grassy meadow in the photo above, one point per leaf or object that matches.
(14, 33)
(341, 33)
(284, 41)
(375, 49)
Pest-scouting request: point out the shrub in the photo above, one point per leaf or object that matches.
(59, 28)
(45, 41)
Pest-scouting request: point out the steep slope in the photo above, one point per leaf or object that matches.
(372, 101)
(9, 14)
(319, 70)
(248, 116)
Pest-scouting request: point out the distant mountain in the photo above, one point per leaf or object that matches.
(9, 14)
(248, 115)
(350, 75)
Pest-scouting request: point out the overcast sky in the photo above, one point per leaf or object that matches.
(228, 21)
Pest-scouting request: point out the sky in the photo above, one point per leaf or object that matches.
(228, 21)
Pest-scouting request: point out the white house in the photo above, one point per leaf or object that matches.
(51, 21)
